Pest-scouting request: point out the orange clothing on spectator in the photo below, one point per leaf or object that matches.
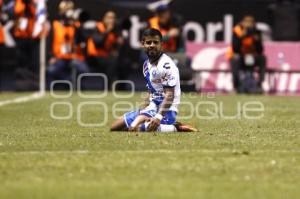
(63, 46)
(247, 43)
(2, 38)
(111, 39)
(25, 19)
(171, 44)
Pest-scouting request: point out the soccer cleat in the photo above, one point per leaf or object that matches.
(184, 127)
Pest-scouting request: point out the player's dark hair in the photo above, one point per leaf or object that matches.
(151, 32)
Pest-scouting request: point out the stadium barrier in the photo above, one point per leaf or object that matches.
(212, 70)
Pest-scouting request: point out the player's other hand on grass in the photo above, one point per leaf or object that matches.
(154, 124)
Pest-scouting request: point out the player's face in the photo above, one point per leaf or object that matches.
(152, 46)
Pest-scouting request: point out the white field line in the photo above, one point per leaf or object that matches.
(145, 151)
(23, 99)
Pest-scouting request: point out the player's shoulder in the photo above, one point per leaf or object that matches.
(166, 62)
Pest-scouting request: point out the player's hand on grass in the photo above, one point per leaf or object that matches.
(154, 124)
(133, 129)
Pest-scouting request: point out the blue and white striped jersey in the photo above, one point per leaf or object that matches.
(164, 74)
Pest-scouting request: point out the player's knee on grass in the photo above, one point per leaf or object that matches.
(118, 125)
(163, 128)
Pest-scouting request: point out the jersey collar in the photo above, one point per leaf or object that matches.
(156, 60)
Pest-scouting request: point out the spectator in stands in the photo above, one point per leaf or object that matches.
(3, 20)
(284, 18)
(246, 52)
(168, 24)
(25, 16)
(103, 46)
(66, 56)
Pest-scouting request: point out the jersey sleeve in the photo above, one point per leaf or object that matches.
(169, 75)
(145, 68)
(145, 71)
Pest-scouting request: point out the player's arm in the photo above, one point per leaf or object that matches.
(168, 100)
(168, 83)
(164, 107)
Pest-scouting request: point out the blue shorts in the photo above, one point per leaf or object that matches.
(169, 118)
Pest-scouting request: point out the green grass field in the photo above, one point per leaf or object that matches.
(41, 157)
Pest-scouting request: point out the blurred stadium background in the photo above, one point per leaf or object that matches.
(201, 32)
